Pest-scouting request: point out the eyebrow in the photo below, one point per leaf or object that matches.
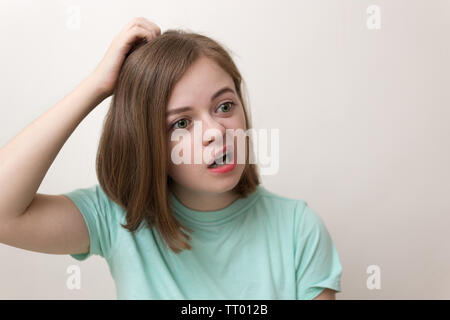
(187, 108)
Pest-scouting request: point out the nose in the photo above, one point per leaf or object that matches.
(212, 131)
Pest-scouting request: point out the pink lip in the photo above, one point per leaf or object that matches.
(226, 167)
(223, 169)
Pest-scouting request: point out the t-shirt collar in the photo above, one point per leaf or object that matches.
(215, 217)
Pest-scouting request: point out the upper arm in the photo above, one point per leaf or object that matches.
(317, 263)
(51, 224)
(326, 294)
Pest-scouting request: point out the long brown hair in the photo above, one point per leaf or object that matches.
(132, 161)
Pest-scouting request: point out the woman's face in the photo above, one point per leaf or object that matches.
(197, 89)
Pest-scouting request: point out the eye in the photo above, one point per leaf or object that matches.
(229, 103)
(181, 120)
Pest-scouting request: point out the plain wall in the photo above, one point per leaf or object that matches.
(363, 117)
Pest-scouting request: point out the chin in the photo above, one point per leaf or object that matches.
(219, 185)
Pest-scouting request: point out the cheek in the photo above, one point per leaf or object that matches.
(181, 171)
(184, 174)
(239, 121)
(172, 167)
(177, 149)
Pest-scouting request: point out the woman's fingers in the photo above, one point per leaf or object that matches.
(141, 22)
(131, 35)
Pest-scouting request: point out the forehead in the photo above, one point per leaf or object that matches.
(199, 83)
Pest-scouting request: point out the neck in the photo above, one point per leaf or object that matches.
(204, 201)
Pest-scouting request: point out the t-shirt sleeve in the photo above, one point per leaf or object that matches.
(317, 263)
(98, 213)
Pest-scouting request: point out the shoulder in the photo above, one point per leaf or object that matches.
(304, 217)
(281, 205)
(276, 198)
(94, 199)
(93, 192)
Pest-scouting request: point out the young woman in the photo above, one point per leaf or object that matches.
(168, 230)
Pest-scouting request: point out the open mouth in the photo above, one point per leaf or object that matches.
(227, 158)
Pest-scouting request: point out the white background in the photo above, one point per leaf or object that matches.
(363, 117)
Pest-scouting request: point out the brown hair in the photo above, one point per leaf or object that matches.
(132, 161)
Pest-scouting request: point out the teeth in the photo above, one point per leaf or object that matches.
(228, 158)
(220, 158)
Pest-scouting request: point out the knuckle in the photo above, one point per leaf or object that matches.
(136, 26)
(140, 20)
(137, 22)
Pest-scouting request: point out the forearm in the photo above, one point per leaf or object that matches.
(25, 159)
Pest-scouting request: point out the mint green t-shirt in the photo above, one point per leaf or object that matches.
(264, 246)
